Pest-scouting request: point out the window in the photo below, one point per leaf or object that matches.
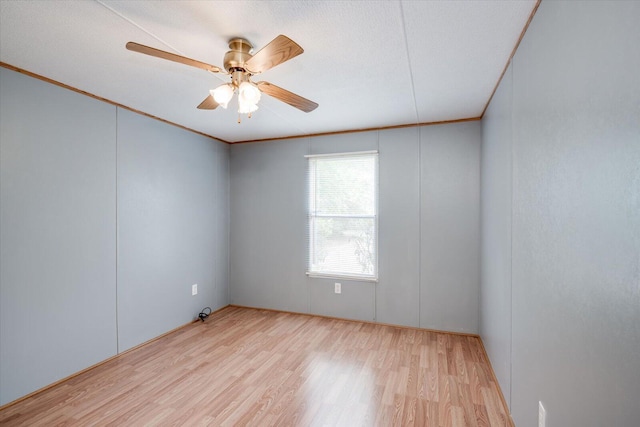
(343, 215)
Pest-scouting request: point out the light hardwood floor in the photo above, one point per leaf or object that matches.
(258, 367)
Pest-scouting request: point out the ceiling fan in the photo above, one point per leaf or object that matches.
(241, 66)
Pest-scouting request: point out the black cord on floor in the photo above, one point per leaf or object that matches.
(203, 315)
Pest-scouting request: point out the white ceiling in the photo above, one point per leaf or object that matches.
(367, 63)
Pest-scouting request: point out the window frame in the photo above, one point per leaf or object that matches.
(311, 215)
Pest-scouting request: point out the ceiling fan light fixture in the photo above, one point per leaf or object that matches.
(248, 98)
(240, 64)
(246, 107)
(222, 94)
(249, 93)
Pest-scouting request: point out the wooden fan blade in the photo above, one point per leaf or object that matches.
(279, 50)
(140, 48)
(208, 104)
(289, 97)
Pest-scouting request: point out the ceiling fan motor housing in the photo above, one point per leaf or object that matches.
(235, 59)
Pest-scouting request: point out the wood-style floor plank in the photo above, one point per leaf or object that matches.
(264, 368)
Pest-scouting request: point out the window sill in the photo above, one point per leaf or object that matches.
(342, 277)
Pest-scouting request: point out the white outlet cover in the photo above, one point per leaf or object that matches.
(338, 288)
(542, 415)
(194, 289)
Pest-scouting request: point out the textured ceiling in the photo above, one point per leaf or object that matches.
(367, 63)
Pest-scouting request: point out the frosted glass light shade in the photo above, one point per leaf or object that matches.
(222, 94)
(249, 93)
(246, 108)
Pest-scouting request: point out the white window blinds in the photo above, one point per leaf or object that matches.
(343, 215)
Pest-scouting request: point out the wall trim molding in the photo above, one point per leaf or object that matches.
(495, 380)
(99, 98)
(47, 387)
(493, 376)
(102, 362)
(370, 322)
(437, 331)
(513, 52)
(215, 138)
(341, 132)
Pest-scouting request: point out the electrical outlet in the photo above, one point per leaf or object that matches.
(338, 288)
(542, 415)
(194, 289)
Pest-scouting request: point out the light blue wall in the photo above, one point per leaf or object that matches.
(398, 293)
(57, 233)
(263, 202)
(168, 226)
(106, 220)
(495, 271)
(429, 234)
(450, 226)
(574, 117)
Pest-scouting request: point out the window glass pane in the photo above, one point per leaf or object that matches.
(344, 245)
(345, 186)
